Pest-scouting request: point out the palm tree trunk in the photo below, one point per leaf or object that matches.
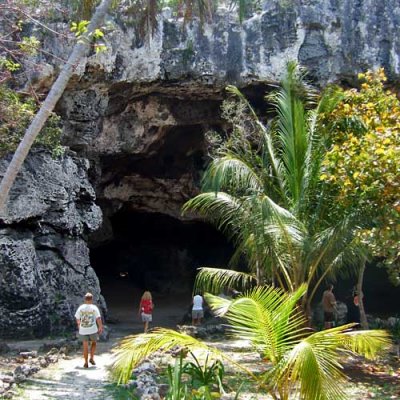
(363, 316)
(259, 273)
(79, 51)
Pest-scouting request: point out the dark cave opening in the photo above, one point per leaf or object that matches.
(152, 251)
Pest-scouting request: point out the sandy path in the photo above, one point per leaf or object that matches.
(67, 379)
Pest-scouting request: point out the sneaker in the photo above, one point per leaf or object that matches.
(92, 361)
(85, 365)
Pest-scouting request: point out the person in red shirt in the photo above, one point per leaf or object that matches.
(146, 307)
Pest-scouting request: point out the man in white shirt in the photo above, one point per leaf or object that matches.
(89, 323)
(197, 310)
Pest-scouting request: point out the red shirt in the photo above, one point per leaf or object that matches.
(146, 306)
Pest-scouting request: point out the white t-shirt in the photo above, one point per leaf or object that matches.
(197, 302)
(87, 315)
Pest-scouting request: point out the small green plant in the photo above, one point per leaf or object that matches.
(205, 375)
(177, 389)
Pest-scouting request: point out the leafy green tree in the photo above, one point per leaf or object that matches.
(363, 167)
(363, 162)
(297, 360)
(263, 189)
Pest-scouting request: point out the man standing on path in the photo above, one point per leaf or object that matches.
(329, 306)
(197, 310)
(90, 325)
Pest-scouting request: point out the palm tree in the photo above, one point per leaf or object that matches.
(298, 361)
(263, 189)
(78, 52)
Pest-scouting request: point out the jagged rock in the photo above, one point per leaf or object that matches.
(6, 378)
(44, 260)
(105, 335)
(23, 371)
(63, 345)
(145, 384)
(28, 354)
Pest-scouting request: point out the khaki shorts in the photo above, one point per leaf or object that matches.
(94, 337)
(146, 317)
(197, 314)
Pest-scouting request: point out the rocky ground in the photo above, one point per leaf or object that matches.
(53, 369)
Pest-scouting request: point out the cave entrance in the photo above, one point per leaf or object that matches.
(155, 252)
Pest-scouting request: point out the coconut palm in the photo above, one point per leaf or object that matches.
(297, 361)
(262, 188)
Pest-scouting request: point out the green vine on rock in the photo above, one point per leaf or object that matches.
(16, 113)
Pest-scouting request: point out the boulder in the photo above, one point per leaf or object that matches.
(44, 260)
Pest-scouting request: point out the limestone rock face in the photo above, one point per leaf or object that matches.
(44, 260)
(334, 39)
(140, 109)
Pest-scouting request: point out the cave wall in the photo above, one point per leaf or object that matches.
(44, 258)
(139, 110)
(136, 116)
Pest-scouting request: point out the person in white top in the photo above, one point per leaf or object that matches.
(89, 323)
(197, 310)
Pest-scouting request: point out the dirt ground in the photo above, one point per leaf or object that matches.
(68, 380)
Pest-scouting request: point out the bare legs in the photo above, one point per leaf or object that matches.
(86, 352)
(92, 351)
(196, 321)
(146, 326)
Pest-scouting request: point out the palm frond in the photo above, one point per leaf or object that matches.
(133, 350)
(236, 92)
(302, 363)
(214, 280)
(231, 172)
(264, 316)
(367, 343)
(292, 134)
(314, 360)
(220, 208)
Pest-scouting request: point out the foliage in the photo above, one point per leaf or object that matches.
(297, 360)
(202, 379)
(363, 162)
(205, 374)
(177, 389)
(262, 189)
(16, 114)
